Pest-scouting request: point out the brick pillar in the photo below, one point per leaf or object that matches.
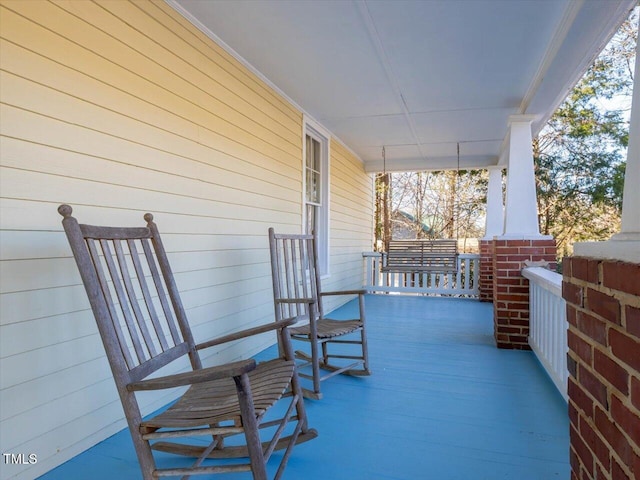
(603, 309)
(511, 289)
(486, 271)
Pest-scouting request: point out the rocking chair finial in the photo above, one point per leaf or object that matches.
(65, 210)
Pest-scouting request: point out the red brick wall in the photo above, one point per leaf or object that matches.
(486, 271)
(603, 309)
(511, 289)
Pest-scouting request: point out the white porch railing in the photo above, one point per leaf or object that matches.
(548, 324)
(463, 282)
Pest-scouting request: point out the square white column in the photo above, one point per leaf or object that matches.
(521, 209)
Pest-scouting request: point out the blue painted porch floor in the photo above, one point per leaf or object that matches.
(442, 403)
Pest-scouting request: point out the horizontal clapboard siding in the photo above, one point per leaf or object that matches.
(122, 108)
(351, 222)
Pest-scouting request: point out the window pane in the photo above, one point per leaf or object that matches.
(316, 155)
(311, 219)
(313, 153)
(309, 151)
(312, 181)
(313, 170)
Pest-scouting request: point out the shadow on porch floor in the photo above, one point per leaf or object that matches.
(442, 403)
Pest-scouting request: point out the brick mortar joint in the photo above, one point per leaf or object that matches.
(626, 402)
(608, 324)
(611, 388)
(624, 298)
(599, 285)
(611, 391)
(616, 455)
(590, 421)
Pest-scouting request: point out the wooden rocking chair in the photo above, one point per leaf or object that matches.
(143, 327)
(297, 292)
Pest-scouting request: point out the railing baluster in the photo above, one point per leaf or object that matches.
(464, 282)
(548, 323)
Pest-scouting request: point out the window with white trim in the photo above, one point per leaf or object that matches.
(316, 190)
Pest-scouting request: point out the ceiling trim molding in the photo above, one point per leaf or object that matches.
(521, 118)
(551, 52)
(416, 164)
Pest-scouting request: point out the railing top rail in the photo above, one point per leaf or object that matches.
(460, 255)
(545, 278)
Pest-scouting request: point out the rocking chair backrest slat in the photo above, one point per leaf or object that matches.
(148, 300)
(162, 296)
(298, 287)
(132, 293)
(105, 297)
(118, 277)
(294, 273)
(284, 260)
(133, 296)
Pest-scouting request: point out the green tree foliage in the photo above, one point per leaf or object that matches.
(581, 152)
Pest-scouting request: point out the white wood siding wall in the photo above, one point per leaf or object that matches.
(120, 108)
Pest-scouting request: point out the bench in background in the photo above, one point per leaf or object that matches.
(419, 256)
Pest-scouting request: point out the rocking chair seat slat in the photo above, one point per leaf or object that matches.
(328, 328)
(217, 401)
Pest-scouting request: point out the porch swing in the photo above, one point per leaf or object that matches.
(438, 256)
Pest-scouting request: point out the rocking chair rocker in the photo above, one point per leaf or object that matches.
(143, 326)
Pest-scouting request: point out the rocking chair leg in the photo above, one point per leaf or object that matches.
(296, 387)
(142, 447)
(145, 457)
(325, 353)
(363, 334)
(315, 363)
(287, 453)
(254, 445)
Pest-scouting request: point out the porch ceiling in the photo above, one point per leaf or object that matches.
(417, 77)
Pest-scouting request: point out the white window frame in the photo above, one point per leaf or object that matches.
(316, 131)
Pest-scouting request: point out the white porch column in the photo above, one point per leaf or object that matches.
(626, 244)
(521, 210)
(631, 198)
(494, 225)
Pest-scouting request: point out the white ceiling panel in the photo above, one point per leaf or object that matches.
(462, 125)
(419, 77)
(373, 130)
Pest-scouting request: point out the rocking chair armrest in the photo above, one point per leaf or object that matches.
(345, 292)
(248, 333)
(218, 372)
